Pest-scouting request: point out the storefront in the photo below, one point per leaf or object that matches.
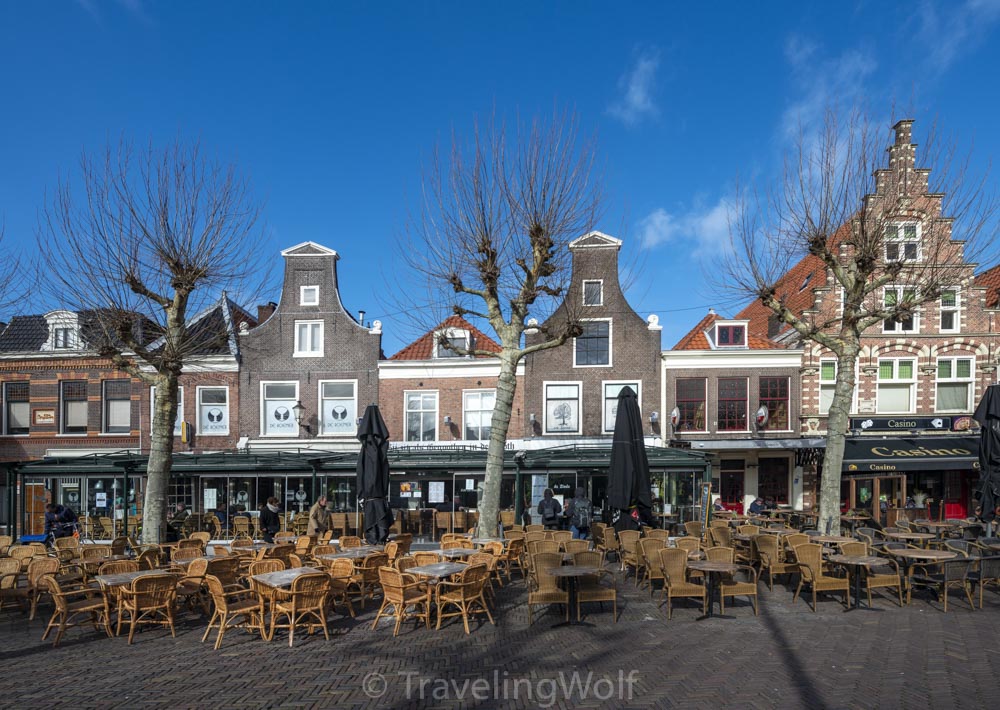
(933, 474)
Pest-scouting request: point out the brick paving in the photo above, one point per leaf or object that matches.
(786, 657)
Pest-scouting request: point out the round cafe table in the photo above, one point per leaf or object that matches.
(910, 557)
(572, 573)
(713, 570)
(922, 538)
(854, 564)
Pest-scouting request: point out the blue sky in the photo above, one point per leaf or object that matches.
(333, 109)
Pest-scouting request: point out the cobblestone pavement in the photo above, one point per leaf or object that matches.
(786, 657)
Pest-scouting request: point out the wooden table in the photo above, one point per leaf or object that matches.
(714, 570)
(572, 573)
(854, 564)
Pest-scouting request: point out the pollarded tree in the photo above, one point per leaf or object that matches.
(889, 240)
(492, 242)
(155, 238)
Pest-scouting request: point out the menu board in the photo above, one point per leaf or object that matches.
(538, 486)
(706, 505)
(435, 492)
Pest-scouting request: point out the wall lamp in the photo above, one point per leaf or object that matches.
(654, 417)
(447, 420)
(531, 418)
(300, 416)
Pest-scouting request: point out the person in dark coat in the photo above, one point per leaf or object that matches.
(549, 509)
(270, 520)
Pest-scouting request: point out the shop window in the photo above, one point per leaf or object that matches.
(732, 404)
(690, 400)
(421, 416)
(562, 408)
(954, 384)
(896, 385)
(17, 408)
(773, 394)
(731, 483)
(772, 480)
(117, 406)
(73, 401)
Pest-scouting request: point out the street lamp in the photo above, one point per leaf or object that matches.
(300, 416)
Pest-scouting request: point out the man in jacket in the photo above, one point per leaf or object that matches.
(319, 518)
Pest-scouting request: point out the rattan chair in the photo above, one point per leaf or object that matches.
(511, 557)
(649, 550)
(809, 558)
(369, 571)
(770, 558)
(629, 539)
(304, 605)
(466, 594)
(743, 583)
(426, 557)
(402, 597)
(720, 554)
(35, 585)
(349, 541)
(148, 601)
(693, 528)
(673, 560)
(600, 587)
(190, 587)
(544, 588)
(71, 603)
(10, 576)
(236, 607)
(953, 573)
(344, 578)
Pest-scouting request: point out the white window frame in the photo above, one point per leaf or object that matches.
(955, 310)
(299, 351)
(62, 409)
(180, 409)
(104, 407)
(406, 414)
(970, 381)
(898, 328)
(199, 404)
(352, 419)
(62, 338)
(579, 407)
(605, 414)
(3, 392)
(303, 290)
(442, 353)
(466, 410)
(912, 383)
(600, 295)
(900, 228)
(263, 408)
(611, 343)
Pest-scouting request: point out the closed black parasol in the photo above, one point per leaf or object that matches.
(373, 475)
(988, 416)
(628, 480)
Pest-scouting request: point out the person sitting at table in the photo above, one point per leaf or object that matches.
(550, 509)
(270, 520)
(717, 506)
(757, 507)
(176, 522)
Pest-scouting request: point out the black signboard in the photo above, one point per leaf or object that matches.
(876, 454)
(900, 423)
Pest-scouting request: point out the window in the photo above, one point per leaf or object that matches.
(477, 408)
(773, 394)
(897, 295)
(213, 411)
(593, 293)
(902, 243)
(17, 408)
(732, 404)
(421, 416)
(896, 383)
(117, 406)
(593, 345)
(309, 296)
(772, 480)
(728, 336)
(827, 383)
(456, 339)
(690, 396)
(611, 392)
(180, 409)
(562, 408)
(278, 399)
(62, 338)
(339, 404)
(73, 398)
(949, 311)
(954, 384)
(308, 338)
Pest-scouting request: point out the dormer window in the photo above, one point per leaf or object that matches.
(730, 336)
(309, 296)
(64, 331)
(454, 339)
(62, 338)
(902, 242)
(593, 293)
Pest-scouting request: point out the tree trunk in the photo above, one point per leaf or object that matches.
(489, 506)
(836, 429)
(154, 513)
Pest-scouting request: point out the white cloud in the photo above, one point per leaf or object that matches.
(636, 87)
(704, 229)
(959, 28)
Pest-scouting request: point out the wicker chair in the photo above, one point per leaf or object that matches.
(853, 548)
(148, 601)
(241, 528)
(649, 549)
(304, 605)
(810, 562)
(10, 575)
(659, 534)
(676, 585)
(741, 584)
(954, 573)
(226, 570)
(750, 530)
(629, 539)
(544, 588)
(884, 576)
(349, 541)
(342, 578)
(574, 546)
(770, 559)
(989, 574)
(71, 603)
(467, 594)
(403, 596)
(452, 545)
(790, 542)
(338, 524)
(539, 546)
(511, 557)
(303, 543)
(369, 571)
(236, 607)
(190, 587)
(562, 536)
(148, 559)
(720, 554)
(688, 544)
(721, 536)
(36, 586)
(426, 557)
(600, 587)
(693, 528)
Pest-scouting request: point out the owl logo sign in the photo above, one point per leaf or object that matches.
(280, 420)
(281, 414)
(339, 420)
(214, 415)
(215, 421)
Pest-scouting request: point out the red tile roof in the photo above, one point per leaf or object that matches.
(990, 280)
(423, 347)
(795, 287)
(697, 340)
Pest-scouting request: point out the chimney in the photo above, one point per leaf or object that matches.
(264, 312)
(361, 317)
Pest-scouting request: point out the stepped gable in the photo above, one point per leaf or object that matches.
(423, 347)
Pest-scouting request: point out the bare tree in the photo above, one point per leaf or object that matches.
(492, 241)
(888, 239)
(155, 238)
(11, 274)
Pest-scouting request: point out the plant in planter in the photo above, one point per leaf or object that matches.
(920, 498)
